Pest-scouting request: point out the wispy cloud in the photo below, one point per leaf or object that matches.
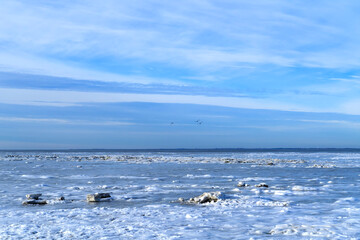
(40, 120)
(182, 34)
(23, 145)
(351, 106)
(352, 79)
(351, 124)
(73, 98)
(24, 63)
(65, 121)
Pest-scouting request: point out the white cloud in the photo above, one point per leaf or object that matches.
(23, 63)
(20, 119)
(64, 121)
(31, 145)
(69, 98)
(351, 124)
(351, 107)
(196, 35)
(353, 79)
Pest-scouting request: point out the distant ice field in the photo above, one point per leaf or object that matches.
(310, 195)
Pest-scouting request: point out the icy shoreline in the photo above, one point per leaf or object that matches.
(281, 159)
(266, 195)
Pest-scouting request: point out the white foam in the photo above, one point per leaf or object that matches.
(303, 188)
(191, 176)
(348, 200)
(281, 192)
(37, 176)
(77, 188)
(151, 188)
(323, 231)
(259, 179)
(41, 186)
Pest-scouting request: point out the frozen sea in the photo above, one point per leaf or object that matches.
(310, 195)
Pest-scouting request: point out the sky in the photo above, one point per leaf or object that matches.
(179, 74)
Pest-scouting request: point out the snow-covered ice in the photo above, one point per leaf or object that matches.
(302, 200)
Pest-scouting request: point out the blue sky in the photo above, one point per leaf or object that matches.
(140, 74)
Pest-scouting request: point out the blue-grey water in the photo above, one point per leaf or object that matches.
(311, 194)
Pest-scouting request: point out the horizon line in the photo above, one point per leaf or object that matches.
(276, 149)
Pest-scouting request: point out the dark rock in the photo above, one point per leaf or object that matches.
(103, 195)
(262, 185)
(98, 197)
(33, 196)
(242, 184)
(207, 197)
(34, 201)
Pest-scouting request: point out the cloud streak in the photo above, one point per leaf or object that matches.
(350, 124)
(76, 98)
(20, 63)
(188, 35)
(64, 121)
